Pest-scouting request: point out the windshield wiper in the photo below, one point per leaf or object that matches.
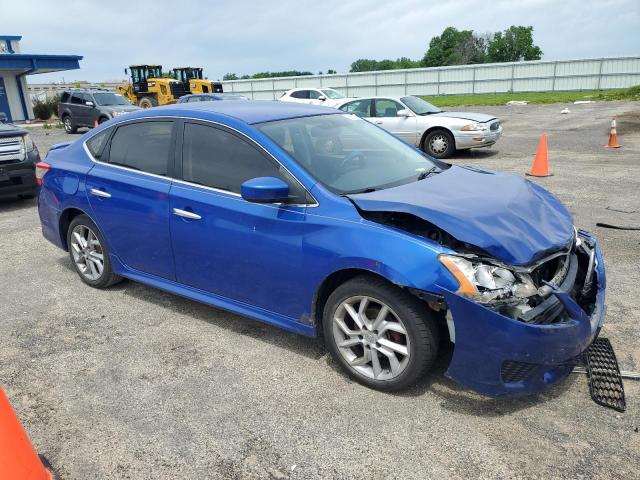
(427, 173)
(364, 190)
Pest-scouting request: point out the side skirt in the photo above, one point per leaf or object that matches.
(213, 300)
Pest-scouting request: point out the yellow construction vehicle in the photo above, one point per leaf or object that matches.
(191, 78)
(148, 89)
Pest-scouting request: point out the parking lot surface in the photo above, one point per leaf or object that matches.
(134, 383)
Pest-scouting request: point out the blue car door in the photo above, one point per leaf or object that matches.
(247, 252)
(128, 189)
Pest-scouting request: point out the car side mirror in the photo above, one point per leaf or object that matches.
(3, 117)
(322, 98)
(403, 113)
(264, 190)
(89, 103)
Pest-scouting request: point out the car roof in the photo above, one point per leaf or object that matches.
(250, 112)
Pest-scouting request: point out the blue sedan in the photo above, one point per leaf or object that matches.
(321, 223)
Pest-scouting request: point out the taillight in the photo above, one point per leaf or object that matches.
(41, 169)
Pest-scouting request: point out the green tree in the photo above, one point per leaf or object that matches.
(513, 45)
(230, 76)
(454, 47)
(364, 65)
(331, 71)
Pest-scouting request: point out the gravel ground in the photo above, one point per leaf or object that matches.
(134, 383)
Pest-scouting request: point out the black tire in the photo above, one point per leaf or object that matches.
(418, 320)
(439, 144)
(102, 120)
(27, 196)
(107, 277)
(69, 126)
(148, 102)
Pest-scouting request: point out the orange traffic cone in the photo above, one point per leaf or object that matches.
(95, 124)
(613, 136)
(18, 459)
(540, 166)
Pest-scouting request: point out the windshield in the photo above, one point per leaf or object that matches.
(109, 99)
(419, 106)
(348, 154)
(332, 94)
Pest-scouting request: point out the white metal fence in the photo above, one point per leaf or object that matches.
(536, 76)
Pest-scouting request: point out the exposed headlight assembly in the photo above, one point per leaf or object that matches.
(474, 127)
(484, 282)
(28, 143)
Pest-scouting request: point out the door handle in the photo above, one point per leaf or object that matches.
(100, 193)
(379, 123)
(186, 214)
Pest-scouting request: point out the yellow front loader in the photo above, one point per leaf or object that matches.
(191, 78)
(147, 88)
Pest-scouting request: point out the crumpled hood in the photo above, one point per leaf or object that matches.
(474, 117)
(509, 217)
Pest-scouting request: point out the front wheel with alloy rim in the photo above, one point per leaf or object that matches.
(439, 144)
(382, 336)
(68, 124)
(89, 254)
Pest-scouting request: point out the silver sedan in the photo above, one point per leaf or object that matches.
(419, 123)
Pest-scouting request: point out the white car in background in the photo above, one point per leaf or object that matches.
(419, 123)
(314, 96)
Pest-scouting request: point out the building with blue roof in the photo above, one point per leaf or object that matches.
(14, 68)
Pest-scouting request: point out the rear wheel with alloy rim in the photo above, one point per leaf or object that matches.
(88, 253)
(439, 144)
(382, 336)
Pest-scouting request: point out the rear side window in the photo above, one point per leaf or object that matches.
(219, 159)
(361, 108)
(144, 146)
(300, 94)
(96, 143)
(65, 97)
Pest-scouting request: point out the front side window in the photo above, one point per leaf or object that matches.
(314, 94)
(144, 146)
(219, 159)
(300, 94)
(387, 108)
(361, 108)
(76, 99)
(348, 154)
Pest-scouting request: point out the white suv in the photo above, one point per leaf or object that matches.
(314, 96)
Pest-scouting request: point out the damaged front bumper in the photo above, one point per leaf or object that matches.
(498, 356)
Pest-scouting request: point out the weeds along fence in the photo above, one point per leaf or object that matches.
(535, 76)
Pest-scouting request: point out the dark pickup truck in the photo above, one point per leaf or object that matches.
(18, 158)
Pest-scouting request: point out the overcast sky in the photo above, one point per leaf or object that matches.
(251, 36)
